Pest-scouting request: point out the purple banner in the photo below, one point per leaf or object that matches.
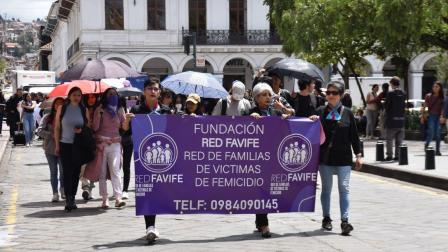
(224, 165)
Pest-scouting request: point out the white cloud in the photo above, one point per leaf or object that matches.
(26, 10)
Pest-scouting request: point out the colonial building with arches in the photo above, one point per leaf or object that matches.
(234, 37)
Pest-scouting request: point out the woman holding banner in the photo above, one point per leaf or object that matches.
(263, 94)
(149, 105)
(336, 157)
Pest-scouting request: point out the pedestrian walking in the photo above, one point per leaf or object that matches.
(2, 110)
(108, 119)
(235, 104)
(336, 158)
(13, 115)
(46, 132)
(149, 105)
(395, 115)
(434, 103)
(70, 120)
(303, 104)
(91, 103)
(127, 150)
(263, 95)
(372, 111)
(192, 105)
(381, 101)
(28, 120)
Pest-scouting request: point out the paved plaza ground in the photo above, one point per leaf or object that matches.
(388, 215)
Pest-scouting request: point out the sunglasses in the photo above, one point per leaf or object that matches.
(334, 93)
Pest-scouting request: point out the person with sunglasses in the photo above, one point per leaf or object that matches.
(149, 105)
(336, 158)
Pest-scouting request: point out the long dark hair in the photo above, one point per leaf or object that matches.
(72, 90)
(103, 100)
(438, 83)
(52, 114)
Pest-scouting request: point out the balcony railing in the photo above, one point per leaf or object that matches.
(227, 37)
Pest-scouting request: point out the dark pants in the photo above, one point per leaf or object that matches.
(70, 169)
(1, 122)
(13, 124)
(150, 220)
(127, 157)
(261, 220)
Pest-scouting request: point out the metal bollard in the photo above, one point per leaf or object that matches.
(362, 147)
(430, 162)
(403, 155)
(379, 151)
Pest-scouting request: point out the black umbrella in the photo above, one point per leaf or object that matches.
(129, 91)
(99, 69)
(297, 68)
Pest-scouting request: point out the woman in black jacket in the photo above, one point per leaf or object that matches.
(336, 153)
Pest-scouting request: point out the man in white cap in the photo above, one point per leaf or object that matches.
(235, 104)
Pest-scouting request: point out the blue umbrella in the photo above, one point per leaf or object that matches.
(203, 84)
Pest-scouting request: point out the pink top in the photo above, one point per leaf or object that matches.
(104, 124)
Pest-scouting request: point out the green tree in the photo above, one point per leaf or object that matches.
(337, 32)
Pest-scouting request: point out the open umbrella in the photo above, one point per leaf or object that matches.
(86, 86)
(297, 68)
(203, 84)
(129, 91)
(99, 69)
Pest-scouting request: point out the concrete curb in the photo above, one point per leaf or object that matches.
(419, 178)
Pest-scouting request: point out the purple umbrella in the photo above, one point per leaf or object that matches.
(99, 69)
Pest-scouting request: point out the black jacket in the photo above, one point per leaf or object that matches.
(344, 136)
(395, 109)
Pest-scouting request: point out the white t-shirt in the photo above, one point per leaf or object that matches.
(234, 108)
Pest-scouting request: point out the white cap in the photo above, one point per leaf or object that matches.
(238, 90)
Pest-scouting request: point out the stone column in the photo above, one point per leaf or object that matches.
(415, 84)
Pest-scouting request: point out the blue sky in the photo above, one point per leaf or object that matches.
(26, 10)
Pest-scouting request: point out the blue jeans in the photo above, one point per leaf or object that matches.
(54, 162)
(433, 130)
(326, 175)
(28, 126)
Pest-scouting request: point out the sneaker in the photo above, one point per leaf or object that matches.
(120, 204)
(151, 234)
(395, 158)
(125, 195)
(55, 197)
(326, 224)
(346, 227)
(388, 158)
(61, 190)
(438, 153)
(86, 195)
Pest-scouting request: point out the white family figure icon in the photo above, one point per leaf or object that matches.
(293, 155)
(157, 154)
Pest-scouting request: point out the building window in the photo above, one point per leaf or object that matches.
(197, 15)
(114, 15)
(238, 17)
(156, 15)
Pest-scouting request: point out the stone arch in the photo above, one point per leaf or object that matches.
(158, 67)
(237, 56)
(237, 68)
(121, 58)
(418, 63)
(211, 61)
(271, 59)
(164, 57)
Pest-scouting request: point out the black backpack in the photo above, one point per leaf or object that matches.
(223, 107)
